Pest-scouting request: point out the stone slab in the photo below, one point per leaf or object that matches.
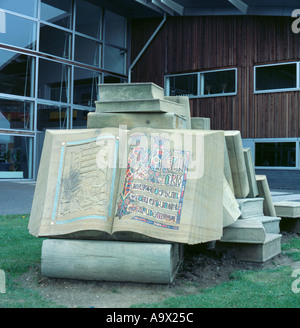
(251, 207)
(128, 91)
(131, 121)
(244, 231)
(231, 210)
(185, 101)
(264, 192)
(227, 169)
(140, 106)
(271, 224)
(237, 163)
(111, 260)
(200, 123)
(253, 190)
(287, 209)
(260, 253)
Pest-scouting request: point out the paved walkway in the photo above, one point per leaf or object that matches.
(16, 196)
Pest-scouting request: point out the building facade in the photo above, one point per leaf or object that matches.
(240, 71)
(53, 54)
(238, 61)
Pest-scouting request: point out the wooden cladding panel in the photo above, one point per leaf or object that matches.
(187, 44)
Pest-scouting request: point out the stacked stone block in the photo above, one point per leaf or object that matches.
(255, 236)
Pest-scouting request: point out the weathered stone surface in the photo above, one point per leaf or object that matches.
(237, 163)
(231, 211)
(129, 91)
(264, 192)
(227, 169)
(78, 193)
(244, 231)
(287, 209)
(261, 252)
(200, 123)
(185, 101)
(251, 207)
(253, 190)
(270, 223)
(131, 121)
(141, 106)
(110, 260)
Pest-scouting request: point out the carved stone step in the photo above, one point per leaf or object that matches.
(244, 231)
(251, 207)
(270, 223)
(257, 252)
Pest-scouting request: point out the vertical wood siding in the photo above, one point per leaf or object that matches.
(187, 44)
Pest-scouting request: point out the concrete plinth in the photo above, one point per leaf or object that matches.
(287, 209)
(290, 214)
(261, 252)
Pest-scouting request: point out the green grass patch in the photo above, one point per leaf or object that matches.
(292, 249)
(19, 249)
(248, 289)
(18, 252)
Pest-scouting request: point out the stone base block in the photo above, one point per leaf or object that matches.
(261, 252)
(287, 209)
(111, 261)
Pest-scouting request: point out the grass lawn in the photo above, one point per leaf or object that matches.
(19, 251)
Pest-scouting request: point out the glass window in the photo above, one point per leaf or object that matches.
(17, 73)
(183, 85)
(19, 32)
(87, 51)
(54, 41)
(88, 18)
(80, 118)
(214, 83)
(57, 12)
(115, 29)
(53, 81)
(85, 87)
(276, 77)
(275, 154)
(16, 114)
(114, 59)
(52, 117)
(217, 82)
(28, 7)
(16, 156)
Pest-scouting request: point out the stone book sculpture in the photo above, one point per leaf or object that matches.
(114, 184)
